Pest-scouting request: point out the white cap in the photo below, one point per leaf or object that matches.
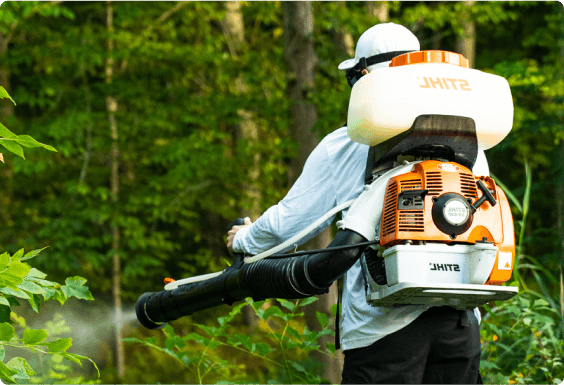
(382, 38)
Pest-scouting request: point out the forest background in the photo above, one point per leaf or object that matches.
(173, 118)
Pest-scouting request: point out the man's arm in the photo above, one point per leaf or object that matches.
(310, 197)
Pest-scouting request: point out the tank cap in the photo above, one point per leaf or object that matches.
(431, 56)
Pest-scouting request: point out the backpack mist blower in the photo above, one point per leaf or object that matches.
(426, 230)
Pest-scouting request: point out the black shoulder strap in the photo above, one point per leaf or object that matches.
(383, 57)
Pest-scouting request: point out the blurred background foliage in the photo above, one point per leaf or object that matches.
(146, 111)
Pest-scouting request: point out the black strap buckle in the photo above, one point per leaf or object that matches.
(355, 73)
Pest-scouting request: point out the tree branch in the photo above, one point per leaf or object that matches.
(162, 18)
(167, 14)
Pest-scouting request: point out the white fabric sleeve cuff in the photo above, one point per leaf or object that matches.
(239, 245)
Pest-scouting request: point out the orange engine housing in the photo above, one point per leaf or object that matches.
(488, 223)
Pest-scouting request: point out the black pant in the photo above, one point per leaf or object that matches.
(442, 346)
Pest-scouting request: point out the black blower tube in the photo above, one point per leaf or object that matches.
(288, 278)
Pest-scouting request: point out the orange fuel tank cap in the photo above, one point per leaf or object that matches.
(431, 56)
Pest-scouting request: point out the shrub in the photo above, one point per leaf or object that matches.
(20, 281)
(283, 345)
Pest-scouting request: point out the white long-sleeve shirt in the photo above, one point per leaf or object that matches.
(333, 174)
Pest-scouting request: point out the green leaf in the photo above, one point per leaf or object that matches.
(60, 345)
(74, 287)
(272, 310)
(263, 348)
(28, 141)
(4, 300)
(34, 273)
(4, 94)
(307, 301)
(18, 255)
(2, 352)
(195, 337)
(35, 302)
(244, 340)
(334, 308)
(7, 373)
(290, 344)
(34, 336)
(21, 365)
(72, 357)
(4, 261)
(213, 344)
(12, 146)
(13, 275)
(175, 341)
(56, 326)
(31, 287)
(33, 254)
(287, 304)
(43, 283)
(168, 331)
(299, 367)
(293, 332)
(5, 133)
(51, 293)
(210, 330)
(7, 331)
(323, 319)
(15, 291)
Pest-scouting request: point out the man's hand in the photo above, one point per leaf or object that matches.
(234, 229)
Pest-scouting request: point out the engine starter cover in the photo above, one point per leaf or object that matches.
(452, 214)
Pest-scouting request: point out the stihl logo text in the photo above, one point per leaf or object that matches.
(445, 83)
(444, 267)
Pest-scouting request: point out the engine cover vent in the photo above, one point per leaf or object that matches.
(390, 203)
(410, 184)
(434, 183)
(468, 186)
(411, 221)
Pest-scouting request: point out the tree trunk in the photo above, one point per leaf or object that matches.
(247, 129)
(6, 109)
(379, 9)
(342, 39)
(466, 42)
(112, 106)
(301, 62)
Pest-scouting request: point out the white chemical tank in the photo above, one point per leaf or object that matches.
(385, 102)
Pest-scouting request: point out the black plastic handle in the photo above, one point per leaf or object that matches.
(236, 222)
(487, 196)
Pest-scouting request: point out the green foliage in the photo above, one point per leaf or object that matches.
(4, 94)
(523, 338)
(523, 342)
(281, 343)
(19, 280)
(13, 142)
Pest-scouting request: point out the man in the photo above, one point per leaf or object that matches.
(405, 344)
